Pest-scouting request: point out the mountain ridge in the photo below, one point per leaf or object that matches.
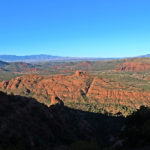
(44, 57)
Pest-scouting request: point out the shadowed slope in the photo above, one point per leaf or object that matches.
(27, 124)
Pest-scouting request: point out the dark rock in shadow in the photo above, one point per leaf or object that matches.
(28, 124)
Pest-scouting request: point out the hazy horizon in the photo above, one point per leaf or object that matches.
(71, 56)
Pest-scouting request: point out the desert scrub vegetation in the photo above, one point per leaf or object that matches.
(128, 81)
(7, 76)
(121, 78)
(110, 109)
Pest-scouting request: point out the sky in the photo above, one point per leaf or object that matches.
(79, 28)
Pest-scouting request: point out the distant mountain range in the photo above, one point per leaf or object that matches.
(144, 56)
(44, 58)
(28, 58)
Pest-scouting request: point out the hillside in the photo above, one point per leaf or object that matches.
(99, 83)
(135, 65)
(80, 88)
(10, 70)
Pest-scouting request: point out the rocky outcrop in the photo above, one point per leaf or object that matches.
(56, 101)
(105, 91)
(79, 87)
(133, 66)
(80, 73)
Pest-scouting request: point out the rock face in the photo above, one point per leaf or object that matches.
(79, 87)
(133, 66)
(80, 73)
(105, 91)
(56, 101)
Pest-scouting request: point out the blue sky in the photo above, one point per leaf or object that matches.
(84, 28)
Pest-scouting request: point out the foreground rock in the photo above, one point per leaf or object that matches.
(26, 124)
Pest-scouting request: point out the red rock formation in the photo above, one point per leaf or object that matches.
(80, 73)
(133, 66)
(56, 101)
(75, 88)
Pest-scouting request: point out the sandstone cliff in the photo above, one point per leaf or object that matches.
(80, 87)
(133, 66)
